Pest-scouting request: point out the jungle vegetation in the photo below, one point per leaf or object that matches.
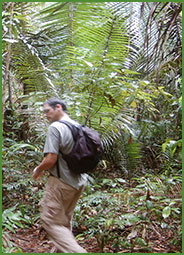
(118, 65)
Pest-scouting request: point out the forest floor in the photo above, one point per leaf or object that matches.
(34, 240)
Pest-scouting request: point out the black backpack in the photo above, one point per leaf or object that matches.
(87, 150)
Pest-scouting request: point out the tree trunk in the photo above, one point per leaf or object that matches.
(71, 36)
(7, 65)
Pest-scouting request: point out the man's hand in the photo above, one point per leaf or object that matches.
(48, 162)
(37, 173)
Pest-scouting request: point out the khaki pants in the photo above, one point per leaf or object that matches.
(57, 207)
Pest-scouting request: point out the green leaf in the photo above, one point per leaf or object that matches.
(164, 225)
(8, 226)
(79, 237)
(17, 147)
(14, 216)
(166, 212)
(141, 241)
(149, 204)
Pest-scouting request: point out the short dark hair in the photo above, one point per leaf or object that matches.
(54, 101)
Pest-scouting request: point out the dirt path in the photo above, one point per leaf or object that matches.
(34, 240)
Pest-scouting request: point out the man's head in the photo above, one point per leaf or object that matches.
(54, 108)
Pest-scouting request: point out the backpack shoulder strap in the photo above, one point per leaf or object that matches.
(71, 127)
(67, 123)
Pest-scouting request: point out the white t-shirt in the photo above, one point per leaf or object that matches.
(59, 137)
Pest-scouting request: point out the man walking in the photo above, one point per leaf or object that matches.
(61, 194)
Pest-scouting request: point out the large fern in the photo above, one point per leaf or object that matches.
(96, 57)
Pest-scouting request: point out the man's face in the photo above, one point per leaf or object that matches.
(52, 114)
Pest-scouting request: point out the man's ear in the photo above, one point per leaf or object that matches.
(58, 106)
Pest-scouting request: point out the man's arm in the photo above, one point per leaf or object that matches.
(49, 161)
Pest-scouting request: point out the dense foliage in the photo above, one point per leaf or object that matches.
(118, 67)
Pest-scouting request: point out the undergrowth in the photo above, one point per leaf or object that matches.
(122, 215)
(131, 217)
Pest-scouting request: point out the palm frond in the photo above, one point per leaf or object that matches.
(96, 56)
